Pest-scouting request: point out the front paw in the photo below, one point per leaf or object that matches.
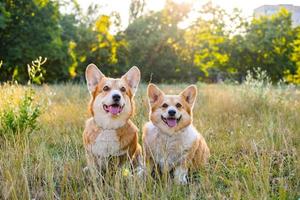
(180, 176)
(182, 179)
(85, 170)
(88, 170)
(140, 172)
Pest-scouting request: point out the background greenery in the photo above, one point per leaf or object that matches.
(216, 46)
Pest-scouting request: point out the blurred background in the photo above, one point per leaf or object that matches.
(169, 40)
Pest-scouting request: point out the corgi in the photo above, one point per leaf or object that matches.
(169, 138)
(110, 132)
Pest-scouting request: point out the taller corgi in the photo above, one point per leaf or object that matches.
(170, 140)
(110, 132)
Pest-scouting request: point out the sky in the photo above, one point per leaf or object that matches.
(122, 6)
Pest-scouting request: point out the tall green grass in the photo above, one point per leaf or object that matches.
(253, 132)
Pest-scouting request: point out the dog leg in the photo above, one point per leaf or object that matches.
(139, 163)
(91, 163)
(180, 175)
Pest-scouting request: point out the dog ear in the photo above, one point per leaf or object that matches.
(93, 76)
(133, 77)
(189, 94)
(154, 94)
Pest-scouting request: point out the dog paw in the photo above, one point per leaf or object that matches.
(182, 180)
(140, 172)
(180, 176)
(86, 169)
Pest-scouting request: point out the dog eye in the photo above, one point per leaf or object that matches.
(165, 105)
(123, 89)
(178, 105)
(106, 88)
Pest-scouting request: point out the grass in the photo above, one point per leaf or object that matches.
(253, 133)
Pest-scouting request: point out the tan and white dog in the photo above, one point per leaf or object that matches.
(110, 132)
(170, 140)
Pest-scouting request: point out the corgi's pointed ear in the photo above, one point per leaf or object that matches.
(189, 94)
(154, 94)
(93, 76)
(133, 77)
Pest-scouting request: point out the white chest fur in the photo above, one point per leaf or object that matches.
(107, 144)
(170, 150)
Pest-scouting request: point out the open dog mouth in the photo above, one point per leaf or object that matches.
(171, 121)
(114, 109)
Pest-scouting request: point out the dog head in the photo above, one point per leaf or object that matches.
(171, 113)
(112, 99)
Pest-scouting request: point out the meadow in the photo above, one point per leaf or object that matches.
(253, 131)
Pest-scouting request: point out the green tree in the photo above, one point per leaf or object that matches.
(207, 40)
(155, 44)
(294, 77)
(31, 31)
(4, 16)
(267, 44)
(136, 9)
(94, 43)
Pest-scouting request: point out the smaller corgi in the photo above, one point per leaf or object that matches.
(170, 140)
(110, 133)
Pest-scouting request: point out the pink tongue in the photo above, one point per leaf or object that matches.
(114, 109)
(171, 122)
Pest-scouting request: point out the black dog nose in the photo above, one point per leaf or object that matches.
(116, 97)
(172, 112)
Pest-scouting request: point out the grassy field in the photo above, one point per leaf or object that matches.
(253, 132)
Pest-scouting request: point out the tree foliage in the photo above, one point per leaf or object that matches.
(216, 45)
(294, 77)
(29, 30)
(207, 40)
(268, 44)
(156, 44)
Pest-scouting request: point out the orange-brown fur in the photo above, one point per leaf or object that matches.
(198, 154)
(128, 138)
(182, 141)
(99, 90)
(125, 135)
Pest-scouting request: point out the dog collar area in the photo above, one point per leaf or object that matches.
(101, 128)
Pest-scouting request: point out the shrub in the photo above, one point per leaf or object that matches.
(20, 118)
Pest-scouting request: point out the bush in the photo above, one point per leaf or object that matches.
(21, 118)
